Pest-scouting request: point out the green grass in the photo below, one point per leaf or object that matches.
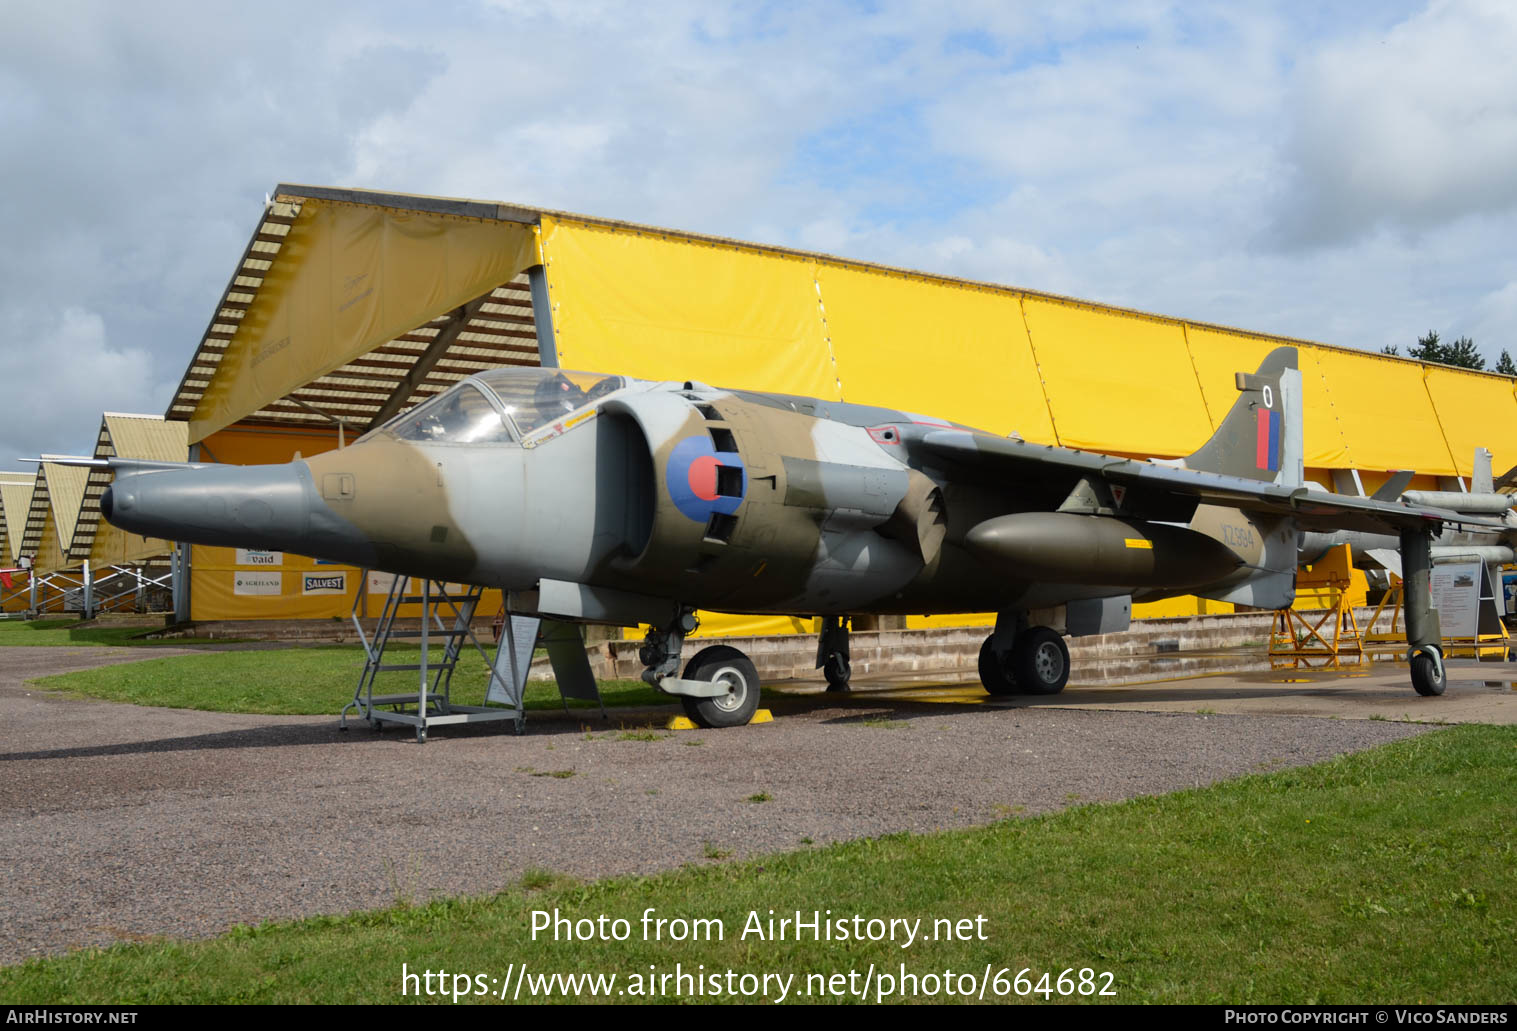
(69, 632)
(1386, 876)
(300, 681)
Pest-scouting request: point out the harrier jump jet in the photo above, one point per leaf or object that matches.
(604, 499)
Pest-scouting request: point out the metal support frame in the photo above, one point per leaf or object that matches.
(179, 571)
(458, 321)
(123, 581)
(1393, 598)
(1301, 638)
(431, 704)
(542, 316)
(53, 587)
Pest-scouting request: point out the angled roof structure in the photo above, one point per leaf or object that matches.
(55, 501)
(401, 297)
(15, 500)
(127, 436)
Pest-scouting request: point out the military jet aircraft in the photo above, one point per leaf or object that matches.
(600, 498)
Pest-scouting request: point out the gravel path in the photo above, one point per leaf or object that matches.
(118, 822)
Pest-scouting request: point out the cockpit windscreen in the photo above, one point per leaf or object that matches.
(461, 416)
(533, 398)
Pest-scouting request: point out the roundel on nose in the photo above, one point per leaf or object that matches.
(703, 481)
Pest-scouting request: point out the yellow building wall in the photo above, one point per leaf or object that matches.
(662, 306)
(878, 325)
(114, 546)
(1475, 411)
(49, 557)
(704, 311)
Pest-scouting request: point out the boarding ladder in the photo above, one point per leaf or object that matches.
(431, 704)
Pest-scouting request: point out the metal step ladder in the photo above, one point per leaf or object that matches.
(431, 704)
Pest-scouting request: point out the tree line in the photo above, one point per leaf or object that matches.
(1460, 353)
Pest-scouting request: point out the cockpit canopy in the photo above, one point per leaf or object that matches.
(504, 405)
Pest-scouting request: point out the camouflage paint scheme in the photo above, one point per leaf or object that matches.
(668, 496)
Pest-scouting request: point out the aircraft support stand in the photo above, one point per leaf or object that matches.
(832, 654)
(431, 703)
(1423, 633)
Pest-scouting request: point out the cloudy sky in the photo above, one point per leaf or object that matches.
(1342, 172)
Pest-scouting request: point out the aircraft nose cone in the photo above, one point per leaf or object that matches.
(272, 507)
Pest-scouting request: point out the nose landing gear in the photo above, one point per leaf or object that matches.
(720, 686)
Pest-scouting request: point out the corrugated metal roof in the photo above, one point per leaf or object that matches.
(142, 436)
(499, 328)
(65, 489)
(15, 500)
(122, 435)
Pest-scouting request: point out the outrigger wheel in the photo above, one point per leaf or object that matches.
(837, 669)
(1428, 674)
(723, 664)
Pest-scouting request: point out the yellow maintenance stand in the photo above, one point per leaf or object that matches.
(1320, 637)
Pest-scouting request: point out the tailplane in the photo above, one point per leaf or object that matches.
(1261, 436)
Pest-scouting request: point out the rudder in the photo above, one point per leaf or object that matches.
(1261, 436)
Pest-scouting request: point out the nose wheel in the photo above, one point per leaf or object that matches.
(832, 653)
(727, 667)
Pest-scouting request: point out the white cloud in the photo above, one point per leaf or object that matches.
(1143, 156)
(64, 376)
(1413, 127)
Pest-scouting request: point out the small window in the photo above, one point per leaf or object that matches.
(723, 439)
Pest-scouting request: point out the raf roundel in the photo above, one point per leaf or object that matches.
(696, 481)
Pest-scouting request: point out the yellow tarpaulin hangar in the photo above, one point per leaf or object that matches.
(350, 306)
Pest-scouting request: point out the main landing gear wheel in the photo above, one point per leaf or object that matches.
(838, 670)
(723, 664)
(993, 672)
(1428, 677)
(1040, 661)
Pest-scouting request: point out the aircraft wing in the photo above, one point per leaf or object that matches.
(1157, 490)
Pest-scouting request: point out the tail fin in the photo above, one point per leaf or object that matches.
(1261, 437)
